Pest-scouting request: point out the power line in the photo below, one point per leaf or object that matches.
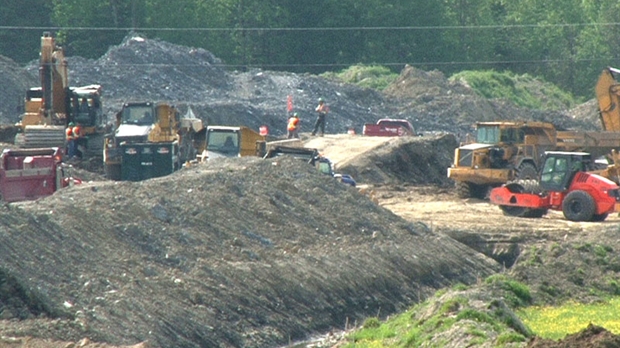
(389, 64)
(448, 27)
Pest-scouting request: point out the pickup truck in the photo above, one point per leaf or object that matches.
(388, 127)
(312, 157)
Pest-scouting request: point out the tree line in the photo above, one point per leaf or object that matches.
(566, 42)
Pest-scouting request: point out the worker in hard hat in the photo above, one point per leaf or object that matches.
(71, 144)
(293, 126)
(322, 109)
(78, 139)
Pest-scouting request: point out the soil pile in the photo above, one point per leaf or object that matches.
(15, 81)
(593, 336)
(172, 261)
(142, 69)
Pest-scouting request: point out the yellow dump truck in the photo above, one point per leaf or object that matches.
(513, 150)
(229, 141)
(509, 150)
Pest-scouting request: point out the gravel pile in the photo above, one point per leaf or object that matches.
(154, 70)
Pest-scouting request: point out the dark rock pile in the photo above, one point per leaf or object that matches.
(154, 70)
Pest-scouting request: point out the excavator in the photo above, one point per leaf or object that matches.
(49, 109)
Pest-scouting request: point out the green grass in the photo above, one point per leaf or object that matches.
(370, 76)
(557, 322)
(518, 293)
(524, 90)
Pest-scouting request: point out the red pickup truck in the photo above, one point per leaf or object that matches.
(388, 127)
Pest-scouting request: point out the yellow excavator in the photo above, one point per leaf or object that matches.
(608, 96)
(49, 108)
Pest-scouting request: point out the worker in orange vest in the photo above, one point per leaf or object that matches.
(71, 144)
(293, 126)
(322, 109)
(77, 139)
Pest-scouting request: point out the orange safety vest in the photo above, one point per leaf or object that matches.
(77, 130)
(322, 108)
(292, 123)
(69, 133)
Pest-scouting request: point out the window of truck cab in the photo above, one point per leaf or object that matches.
(223, 140)
(141, 115)
(488, 134)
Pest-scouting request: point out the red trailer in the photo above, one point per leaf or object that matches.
(28, 174)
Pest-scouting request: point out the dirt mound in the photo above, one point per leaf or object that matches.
(591, 337)
(433, 103)
(15, 82)
(171, 261)
(145, 69)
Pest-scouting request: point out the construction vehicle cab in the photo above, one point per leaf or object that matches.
(227, 141)
(563, 185)
(150, 140)
(49, 108)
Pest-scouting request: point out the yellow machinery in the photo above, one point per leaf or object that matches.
(505, 151)
(151, 140)
(48, 109)
(227, 141)
(608, 96)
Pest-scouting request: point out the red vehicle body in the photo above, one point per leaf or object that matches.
(388, 127)
(565, 186)
(28, 174)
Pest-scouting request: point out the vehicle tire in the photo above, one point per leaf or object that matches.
(526, 171)
(578, 206)
(599, 217)
(465, 189)
(113, 172)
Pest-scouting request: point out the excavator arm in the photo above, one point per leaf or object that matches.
(608, 96)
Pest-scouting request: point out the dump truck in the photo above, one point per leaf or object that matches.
(49, 108)
(232, 141)
(511, 150)
(28, 174)
(150, 140)
(389, 128)
(506, 151)
(565, 185)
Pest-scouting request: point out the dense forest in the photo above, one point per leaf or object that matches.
(566, 42)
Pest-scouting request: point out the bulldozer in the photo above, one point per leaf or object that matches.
(49, 108)
(150, 140)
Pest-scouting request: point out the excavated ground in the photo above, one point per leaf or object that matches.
(261, 253)
(173, 262)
